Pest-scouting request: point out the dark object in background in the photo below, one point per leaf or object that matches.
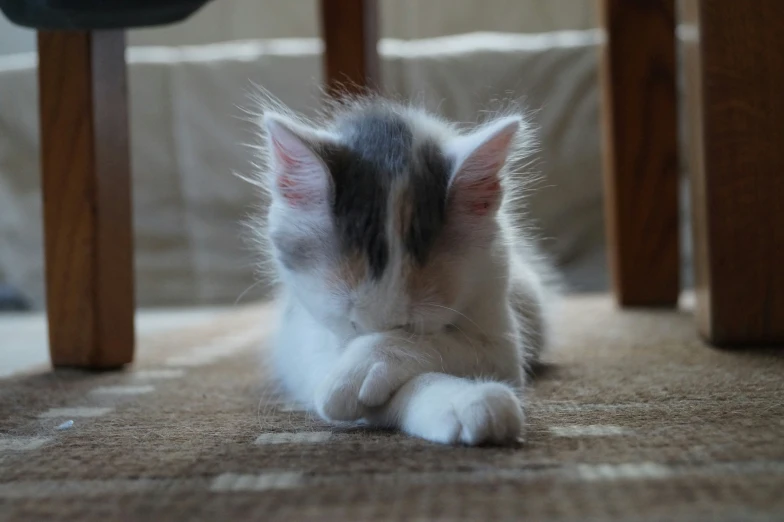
(11, 300)
(97, 14)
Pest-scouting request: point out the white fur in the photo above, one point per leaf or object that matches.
(459, 375)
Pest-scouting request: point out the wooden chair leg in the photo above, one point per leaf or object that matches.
(735, 81)
(640, 140)
(86, 198)
(350, 31)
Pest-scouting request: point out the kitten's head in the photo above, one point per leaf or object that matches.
(384, 217)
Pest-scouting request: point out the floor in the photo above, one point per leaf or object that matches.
(632, 419)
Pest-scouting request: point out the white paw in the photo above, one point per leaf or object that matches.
(368, 373)
(486, 413)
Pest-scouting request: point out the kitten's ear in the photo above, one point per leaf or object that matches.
(475, 186)
(301, 179)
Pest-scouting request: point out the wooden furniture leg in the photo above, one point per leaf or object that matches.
(86, 198)
(640, 142)
(735, 93)
(350, 31)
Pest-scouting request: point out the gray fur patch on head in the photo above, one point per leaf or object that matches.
(378, 155)
(428, 183)
(375, 151)
(381, 137)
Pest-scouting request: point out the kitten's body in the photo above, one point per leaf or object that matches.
(410, 300)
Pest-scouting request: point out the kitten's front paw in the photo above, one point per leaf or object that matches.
(487, 413)
(369, 372)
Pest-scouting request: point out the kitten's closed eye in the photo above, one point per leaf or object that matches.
(405, 327)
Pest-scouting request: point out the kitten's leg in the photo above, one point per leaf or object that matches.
(449, 410)
(374, 367)
(370, 370)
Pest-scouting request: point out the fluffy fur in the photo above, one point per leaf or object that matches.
(409, 298)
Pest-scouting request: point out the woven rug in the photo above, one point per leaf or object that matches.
(633, 419)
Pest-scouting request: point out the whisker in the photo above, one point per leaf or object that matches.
(471, 344)
(461, 314)
(244, 292)
(268, 400)
(399, 338)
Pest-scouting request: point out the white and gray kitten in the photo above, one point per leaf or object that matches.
(410, 300)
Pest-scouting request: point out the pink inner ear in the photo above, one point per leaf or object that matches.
(486, 195)
(300, 176)
(478, 196)
(287, 183)
(477, 183)
(289, 190)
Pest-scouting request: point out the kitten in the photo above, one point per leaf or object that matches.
(410, 301)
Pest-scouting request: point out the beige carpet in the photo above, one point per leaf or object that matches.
(634, 420)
